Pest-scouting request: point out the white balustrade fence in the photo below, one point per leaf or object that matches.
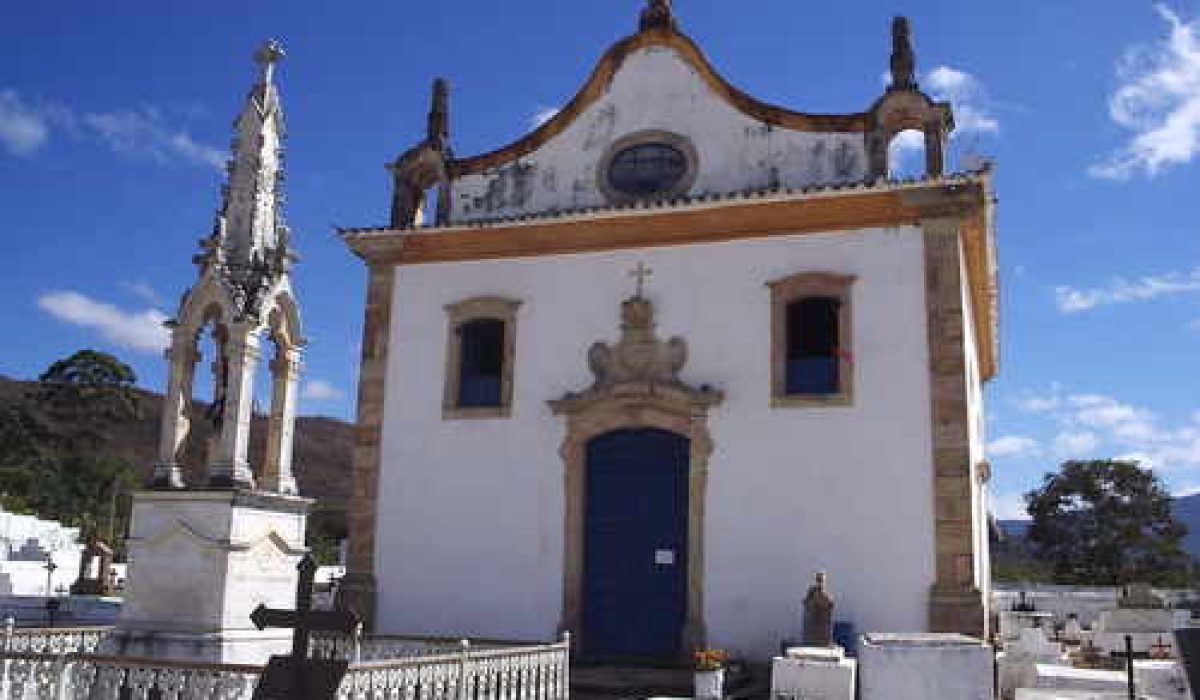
(32, 676)
(537, 672)
(51, 640)
(428, 672)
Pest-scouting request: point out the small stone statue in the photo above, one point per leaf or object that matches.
(817, 630)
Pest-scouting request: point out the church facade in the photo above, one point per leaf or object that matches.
(641, 373)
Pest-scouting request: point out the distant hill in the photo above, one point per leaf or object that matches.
(1014, 528)
(321, 454)
(1187, 511)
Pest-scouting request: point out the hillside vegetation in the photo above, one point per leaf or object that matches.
(52, 453)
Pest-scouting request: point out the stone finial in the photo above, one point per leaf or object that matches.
(270, 53)
(657, 15)
(903, 59)
(817, 628)
(439, 113)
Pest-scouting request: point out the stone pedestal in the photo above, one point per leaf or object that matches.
(813, 672)
(199, 563)
(924, 666)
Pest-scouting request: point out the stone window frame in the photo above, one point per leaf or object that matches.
(488, 307)
(795, 287)
(650, 136)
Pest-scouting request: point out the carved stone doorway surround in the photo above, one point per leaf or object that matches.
(636, 385)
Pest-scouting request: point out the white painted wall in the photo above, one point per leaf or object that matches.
(656, 89)
(470, 521)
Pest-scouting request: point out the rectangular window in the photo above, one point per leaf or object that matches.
(811, 363)
(482, 362)
(812, 339)
(480, 351)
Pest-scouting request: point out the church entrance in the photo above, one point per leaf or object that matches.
(635, 544)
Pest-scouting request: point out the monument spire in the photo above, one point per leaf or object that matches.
(243, 295)
(250, 238)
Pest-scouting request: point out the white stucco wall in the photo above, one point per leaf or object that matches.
(470, 521)
(656, 89)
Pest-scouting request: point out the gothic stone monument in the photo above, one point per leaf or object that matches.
(203, 556)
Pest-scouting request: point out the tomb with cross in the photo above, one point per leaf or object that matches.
(298, 676)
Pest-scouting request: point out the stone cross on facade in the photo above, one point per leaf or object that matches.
(641, 272)
(298, 676)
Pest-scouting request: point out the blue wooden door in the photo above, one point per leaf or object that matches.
(635, 544)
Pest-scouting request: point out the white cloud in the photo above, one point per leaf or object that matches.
(142, 290)
(1121, 291)
(1009, 506)
(1092, 425)
(137, 330)
(542, 115)
(23, 130)
(1013, 446)
(321, 390)
(1075, 445)
(972, 115)
(144, 134)
(1158, 99)
(1031, 402)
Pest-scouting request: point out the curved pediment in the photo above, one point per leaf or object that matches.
(687, 50)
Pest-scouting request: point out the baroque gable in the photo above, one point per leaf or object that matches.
(655, 102)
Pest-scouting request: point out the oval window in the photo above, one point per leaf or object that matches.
(647, 169)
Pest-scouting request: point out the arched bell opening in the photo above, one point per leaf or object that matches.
(193, 410)
(906, 155)
(282, 359)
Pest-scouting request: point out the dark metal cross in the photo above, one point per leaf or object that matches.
(641, 272)
(304, 620)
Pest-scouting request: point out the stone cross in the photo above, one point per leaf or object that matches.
(50, 567)
(641, 272)
(817, 630)
(266, 57)
(298, 676)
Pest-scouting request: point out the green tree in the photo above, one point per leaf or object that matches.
(83, 395)
(54, 457)
(1107, 522)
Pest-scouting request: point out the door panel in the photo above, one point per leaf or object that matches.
(635, 544)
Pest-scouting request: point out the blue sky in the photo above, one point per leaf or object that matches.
(113, 125)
